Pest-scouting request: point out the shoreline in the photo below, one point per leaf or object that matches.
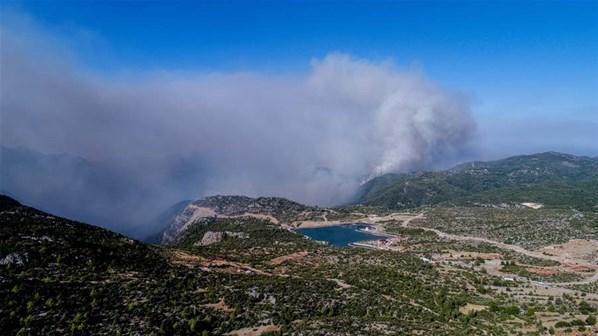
(376, 232)
(370, 220)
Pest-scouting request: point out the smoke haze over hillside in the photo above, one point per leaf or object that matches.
(117, 147)
(312, 137)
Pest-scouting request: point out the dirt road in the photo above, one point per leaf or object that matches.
(515, 248)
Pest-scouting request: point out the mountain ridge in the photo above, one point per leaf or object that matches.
(274, 209)
(400, 191)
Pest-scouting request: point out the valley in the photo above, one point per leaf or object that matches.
(235, 265)
(298, 168)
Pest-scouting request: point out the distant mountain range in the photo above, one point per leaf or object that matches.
(552, 179)
(95, 193)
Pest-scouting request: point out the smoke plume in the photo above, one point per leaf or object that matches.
(174, 135)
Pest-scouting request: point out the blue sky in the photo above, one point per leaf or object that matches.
(303, 100)
(513, 56)
(517, 61)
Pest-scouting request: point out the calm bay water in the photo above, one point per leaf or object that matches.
(340, 235)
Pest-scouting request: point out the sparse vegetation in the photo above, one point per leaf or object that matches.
(556, 180)
(530, 228)
(59, 276)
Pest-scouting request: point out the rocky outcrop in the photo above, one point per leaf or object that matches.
(210, 238)
(14, 258)
(214, 237)
(190, 214)
(276, 210)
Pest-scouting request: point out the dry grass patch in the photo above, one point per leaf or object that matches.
(289, 257)
(471, 308)
(255, 331)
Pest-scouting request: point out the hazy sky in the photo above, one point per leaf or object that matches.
(529, 55)
(299, 99)
(519, 61)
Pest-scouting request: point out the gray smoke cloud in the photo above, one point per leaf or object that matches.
(312, 137)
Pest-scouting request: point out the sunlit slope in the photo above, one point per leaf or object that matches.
(553, 179)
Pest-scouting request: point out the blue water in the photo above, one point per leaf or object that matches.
(340, 235)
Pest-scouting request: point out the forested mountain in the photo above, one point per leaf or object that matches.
(553, 179)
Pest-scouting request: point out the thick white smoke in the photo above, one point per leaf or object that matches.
(408, 121)
(310, 137)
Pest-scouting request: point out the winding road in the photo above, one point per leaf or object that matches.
(515, 248)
